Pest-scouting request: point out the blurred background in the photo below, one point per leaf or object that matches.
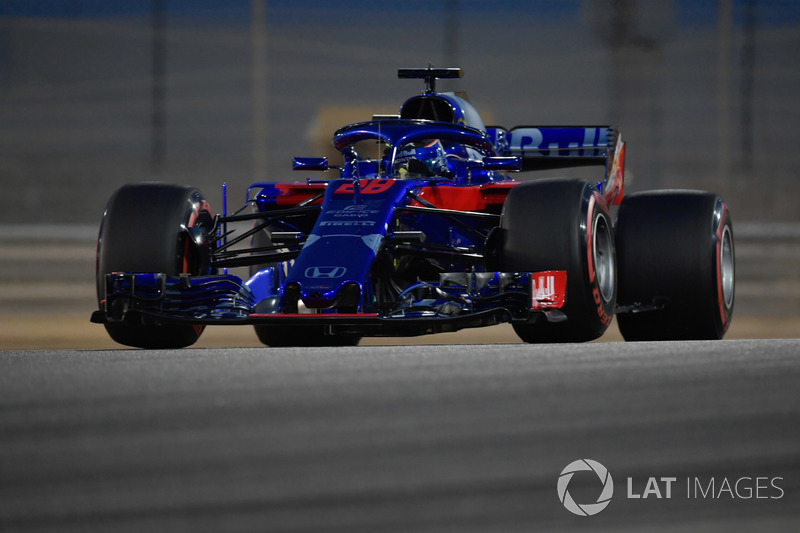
(96, 93)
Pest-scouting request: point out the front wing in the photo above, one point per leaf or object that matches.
(456, 301)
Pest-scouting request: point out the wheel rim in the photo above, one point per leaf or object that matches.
(726, 263)
(603, 257)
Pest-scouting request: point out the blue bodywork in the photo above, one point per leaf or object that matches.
(345, 240)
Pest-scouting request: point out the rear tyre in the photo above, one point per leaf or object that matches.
(144, 229)
(676, 257)
(563, 224)
(285, 336)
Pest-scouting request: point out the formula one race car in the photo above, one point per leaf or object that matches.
(420, 230)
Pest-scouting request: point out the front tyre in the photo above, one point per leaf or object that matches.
(145, 228)
(563, 224)
(676, 266)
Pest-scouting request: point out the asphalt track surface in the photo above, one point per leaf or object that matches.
(400, 438)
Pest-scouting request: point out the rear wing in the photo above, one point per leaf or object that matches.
(552, 147)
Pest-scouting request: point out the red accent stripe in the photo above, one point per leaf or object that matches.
(291, 194)
(312, 315)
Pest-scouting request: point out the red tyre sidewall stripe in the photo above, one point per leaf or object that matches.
(198, 208)
(589, 236)
(595, 200)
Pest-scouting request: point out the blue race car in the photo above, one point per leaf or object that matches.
(421, 230)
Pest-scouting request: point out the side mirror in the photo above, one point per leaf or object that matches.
(310, 163)
(508, 164)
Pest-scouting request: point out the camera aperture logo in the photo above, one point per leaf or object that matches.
(585, 509)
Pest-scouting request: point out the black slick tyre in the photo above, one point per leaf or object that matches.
(563, 224)
(144, 229)
(676, 266)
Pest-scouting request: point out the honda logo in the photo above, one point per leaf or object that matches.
(325, 272)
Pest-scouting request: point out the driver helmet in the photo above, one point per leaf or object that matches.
(424, 159)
